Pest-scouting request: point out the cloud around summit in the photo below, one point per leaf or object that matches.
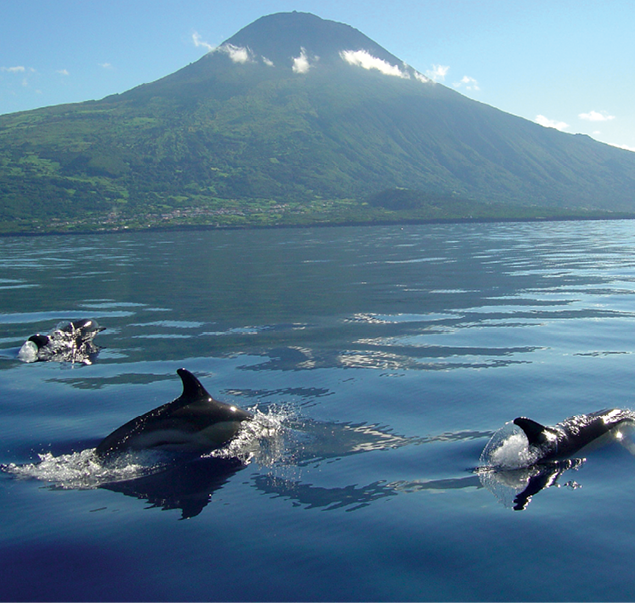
(551, 123)
(238, 54)
(200, 43)
(438, 72)
(301, 63)
(362, 58)
(468, 83)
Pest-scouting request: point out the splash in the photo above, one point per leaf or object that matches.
(262, 440)
(508, 448)
(84, 470)
(508, 468)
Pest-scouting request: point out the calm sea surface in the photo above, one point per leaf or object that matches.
(379, 362)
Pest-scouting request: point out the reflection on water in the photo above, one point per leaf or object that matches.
(273, 444)
(514, 488)
(420, 298)
(350, 498)
(381, 359)
(188, 487)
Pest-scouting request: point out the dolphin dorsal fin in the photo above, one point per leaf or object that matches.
(192, 388)
(535, 432)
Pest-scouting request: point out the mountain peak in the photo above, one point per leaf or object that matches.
(279, 46)
(287, 39)
(294, 118)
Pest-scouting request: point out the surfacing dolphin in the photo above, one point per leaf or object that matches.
(565, 439)
(69, 341)
(516, 468)
(194, 422)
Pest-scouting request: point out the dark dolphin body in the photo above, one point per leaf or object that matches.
(552, 452)
(193, 422)
(568, 437)
(81, 330)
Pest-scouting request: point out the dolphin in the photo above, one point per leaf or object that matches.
(568, 437)
(82, 330)
(69, 341)
(76, 331)
(194, 422)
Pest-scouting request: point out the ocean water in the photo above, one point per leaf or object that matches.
(379, 362)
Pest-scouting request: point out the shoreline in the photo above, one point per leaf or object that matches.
(347, 223)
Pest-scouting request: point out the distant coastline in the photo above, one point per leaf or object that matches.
(98, 230)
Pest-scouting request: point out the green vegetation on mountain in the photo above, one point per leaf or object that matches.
(256, 144)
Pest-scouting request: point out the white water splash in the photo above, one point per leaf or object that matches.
(28, 352)
(84, 470)
(261, 440)
(508, 448)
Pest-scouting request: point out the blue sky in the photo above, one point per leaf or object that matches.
(563, 63)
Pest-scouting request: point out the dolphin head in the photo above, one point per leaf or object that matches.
(39, 340)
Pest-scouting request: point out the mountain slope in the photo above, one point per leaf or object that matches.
(292, 115)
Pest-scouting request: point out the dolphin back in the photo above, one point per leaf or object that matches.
(194, 419)
(537, 434)
(572, 434)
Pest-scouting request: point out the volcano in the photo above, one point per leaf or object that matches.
(293, 114)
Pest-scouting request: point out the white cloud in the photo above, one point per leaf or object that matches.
(625, 147)
(596, 116)
(62, 72)
(437, 73)
(301, 64)
(17, 69)
(106, 65)
(363, 58)
(198, 42)
(237, 54)
(467, 82)
(551, 123)
(422, 78)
